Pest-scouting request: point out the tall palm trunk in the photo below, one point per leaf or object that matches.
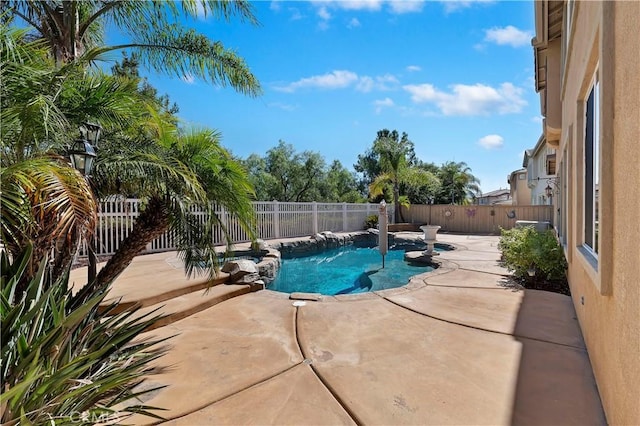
(396, 200)
(151, 223)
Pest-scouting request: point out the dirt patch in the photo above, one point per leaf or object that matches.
(554, 286)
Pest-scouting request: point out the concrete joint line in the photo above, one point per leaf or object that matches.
(332, 391)
(483, 329)
(208, 404)
(266, 379)
(485, 272)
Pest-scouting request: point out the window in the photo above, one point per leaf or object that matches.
(565, 166)
(522, 176)
(592, 168)
(551, 165)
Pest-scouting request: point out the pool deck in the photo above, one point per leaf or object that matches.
(456, 346)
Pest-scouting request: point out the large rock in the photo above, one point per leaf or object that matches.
(268, 268)
(246, 279)
(420, 257)
(322, 241)
(239, 268)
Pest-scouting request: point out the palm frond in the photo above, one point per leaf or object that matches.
(380, 182)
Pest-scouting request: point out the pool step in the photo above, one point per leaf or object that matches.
(164, 293)
(158, 281)
(186, 305)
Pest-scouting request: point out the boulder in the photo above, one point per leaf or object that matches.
(239, 268)
(259, 245)
(247, 279)
(419, 257)
(268, 267)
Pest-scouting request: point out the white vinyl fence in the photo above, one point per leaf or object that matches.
(273, 220)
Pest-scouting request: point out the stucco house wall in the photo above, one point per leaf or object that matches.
(520, 191)
(603, 41)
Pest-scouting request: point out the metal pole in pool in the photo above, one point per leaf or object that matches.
(383, 220)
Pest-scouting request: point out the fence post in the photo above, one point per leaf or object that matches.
(314, 209)
(276, 219)
(344, 217)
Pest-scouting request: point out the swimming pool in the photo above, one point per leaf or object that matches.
(345, 270)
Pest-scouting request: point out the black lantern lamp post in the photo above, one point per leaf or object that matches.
(549, 191)
(82, 155)
(83, 150)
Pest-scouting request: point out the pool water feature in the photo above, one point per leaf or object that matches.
(346, 270)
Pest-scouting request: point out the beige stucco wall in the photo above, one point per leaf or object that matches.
(522, 193)
(607, 295)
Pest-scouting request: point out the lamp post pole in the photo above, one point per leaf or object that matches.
(82, 155)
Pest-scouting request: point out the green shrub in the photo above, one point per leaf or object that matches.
(526, 250)
(371, 221)
(65, 360)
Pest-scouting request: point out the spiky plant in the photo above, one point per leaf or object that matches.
(64, 360)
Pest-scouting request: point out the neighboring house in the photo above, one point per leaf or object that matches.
(520, 192)
(499, 196)
(540, 163)
(587, 67)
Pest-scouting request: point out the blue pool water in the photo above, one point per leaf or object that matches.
(345, 270)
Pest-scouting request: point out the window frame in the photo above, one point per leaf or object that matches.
(592, 170)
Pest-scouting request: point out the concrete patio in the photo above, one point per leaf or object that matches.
(456, 346)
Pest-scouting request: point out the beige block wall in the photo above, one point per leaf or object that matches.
(607, 296)
(523, 193)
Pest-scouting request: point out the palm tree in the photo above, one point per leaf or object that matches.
(459, 185)
(143, 154)
(397, 163)
(75, 29)
(45, 201)
(181, 173)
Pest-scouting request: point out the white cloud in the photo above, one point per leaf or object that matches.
(491, 141)
(383, 103)
(282, 106)
(455, 5)
(189, 79)
(477, 99)
(508, 35)
(323, 25)
(372, 5)
(406, 6)
(341, 79)
(353, 23)
(296, 15)
(413, 68)
(480, 47)
(537, 119)
(324, 14)
(392, 6)
(334, 80)
(275, 5)
(384, 82)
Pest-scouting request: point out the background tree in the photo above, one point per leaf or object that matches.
(341, 185)
(286, 175)
(294, 176)
(400, 171)
(459, 185)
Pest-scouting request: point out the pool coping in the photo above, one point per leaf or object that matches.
(418, 281)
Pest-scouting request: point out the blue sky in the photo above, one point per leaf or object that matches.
(457, 76)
